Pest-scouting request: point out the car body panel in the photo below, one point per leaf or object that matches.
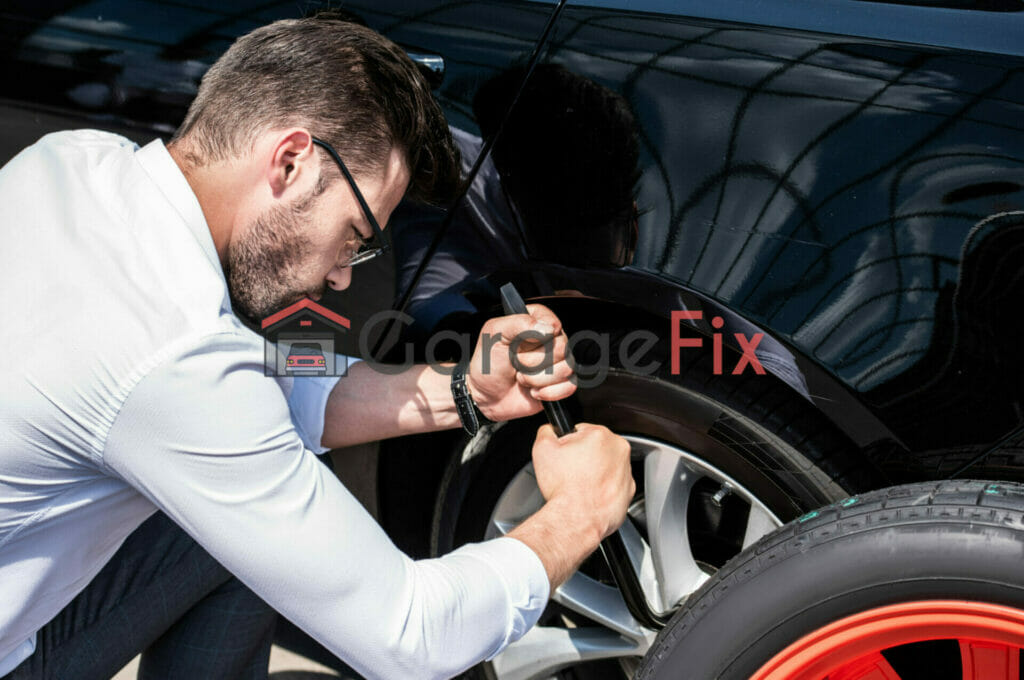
(844, 176)
(604, 305)
(845, 194)
(136, 65)
(973, 25)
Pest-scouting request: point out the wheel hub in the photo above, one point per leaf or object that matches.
(989, 636)
(659, 548)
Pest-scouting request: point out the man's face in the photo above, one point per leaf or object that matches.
(296, 249)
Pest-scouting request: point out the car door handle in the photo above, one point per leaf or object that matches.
(431, 66)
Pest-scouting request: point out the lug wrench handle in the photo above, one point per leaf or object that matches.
(558, 416)
(613, 547)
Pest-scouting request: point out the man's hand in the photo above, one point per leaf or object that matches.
(368, 406)
(519, 360)
(586, 479)
(589, 470)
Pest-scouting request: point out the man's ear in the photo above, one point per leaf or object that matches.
(292, 156)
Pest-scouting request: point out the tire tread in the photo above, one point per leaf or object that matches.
(963, 502)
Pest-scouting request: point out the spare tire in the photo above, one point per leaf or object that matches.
(915, 581)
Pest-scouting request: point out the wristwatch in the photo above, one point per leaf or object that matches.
(469, 414)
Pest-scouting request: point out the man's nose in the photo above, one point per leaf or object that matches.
(339, 278)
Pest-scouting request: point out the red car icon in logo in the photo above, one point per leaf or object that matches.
(305, 356)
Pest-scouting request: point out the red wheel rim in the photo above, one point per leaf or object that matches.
(990, 638)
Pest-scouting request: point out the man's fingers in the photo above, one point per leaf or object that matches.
(593, 430)
(529, 330)
(540, 359)
(554, 392)
(545, 315)
(539, 336)
(519, 327)
(545, 433)
(587, 432)
(554, 374)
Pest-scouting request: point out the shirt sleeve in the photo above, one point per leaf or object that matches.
(209, 439)
(307, 401)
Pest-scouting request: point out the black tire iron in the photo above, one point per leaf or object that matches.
(556, 412)
(613, 548)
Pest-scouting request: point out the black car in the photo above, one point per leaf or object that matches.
(786, 238)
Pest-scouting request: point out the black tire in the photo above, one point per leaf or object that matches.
(753, 428)
(958, 540)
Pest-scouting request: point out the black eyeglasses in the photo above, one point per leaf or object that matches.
(376, 245)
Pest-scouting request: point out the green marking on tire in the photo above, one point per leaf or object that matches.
(848, 502)
(810, 515)
(992, 489)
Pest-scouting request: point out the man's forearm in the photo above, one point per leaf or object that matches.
(367, 405)
(561, 537)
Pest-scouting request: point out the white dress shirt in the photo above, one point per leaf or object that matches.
(129, 386)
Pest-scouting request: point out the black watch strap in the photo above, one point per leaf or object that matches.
(469, 414)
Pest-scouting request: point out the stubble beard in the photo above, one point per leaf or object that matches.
(264, 271)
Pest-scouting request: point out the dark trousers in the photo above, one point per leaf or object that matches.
(162, 595)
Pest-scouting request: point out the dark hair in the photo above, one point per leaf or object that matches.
(344, 82)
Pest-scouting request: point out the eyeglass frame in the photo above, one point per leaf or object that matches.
(367, 251)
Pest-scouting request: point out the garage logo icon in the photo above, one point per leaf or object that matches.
(300, 340)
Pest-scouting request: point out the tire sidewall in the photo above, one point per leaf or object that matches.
(774, 596)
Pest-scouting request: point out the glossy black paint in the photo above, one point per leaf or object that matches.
(856, 198)
(846, 176)
(991, 26)
(635, 299)
(136, 64)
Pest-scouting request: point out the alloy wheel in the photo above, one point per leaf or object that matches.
(687, 519)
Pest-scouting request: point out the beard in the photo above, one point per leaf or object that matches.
(264, 268)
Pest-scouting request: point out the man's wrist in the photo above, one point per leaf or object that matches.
(471, 417)
(561, 537)
(586, 527)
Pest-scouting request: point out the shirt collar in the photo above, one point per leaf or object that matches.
(165, 173)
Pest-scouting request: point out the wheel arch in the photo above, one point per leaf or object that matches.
(597, 295)
(411, 470)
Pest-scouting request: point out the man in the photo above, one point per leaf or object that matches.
(132, 387)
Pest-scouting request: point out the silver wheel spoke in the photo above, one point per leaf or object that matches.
(759, 523)
(521, 499)
(668, 482)
(598, 625)
(600, 603)
(543, 651)
(642, 561)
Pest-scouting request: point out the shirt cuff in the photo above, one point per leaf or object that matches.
(307, 401)
(19, 654)
(525, 580)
